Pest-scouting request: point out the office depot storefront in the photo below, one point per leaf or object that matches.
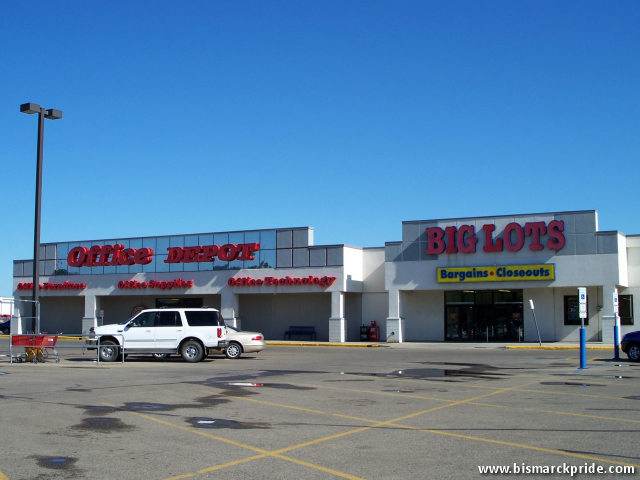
(458, 279)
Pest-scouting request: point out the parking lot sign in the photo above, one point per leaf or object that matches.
(582, 300)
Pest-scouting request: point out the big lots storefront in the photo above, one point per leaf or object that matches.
(470, 279)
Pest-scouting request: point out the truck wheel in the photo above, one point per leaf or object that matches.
(192, 351)
(234, 350)
(160, 356)
(109, 352)
(634, 352)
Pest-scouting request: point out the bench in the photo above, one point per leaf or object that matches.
(311, 331)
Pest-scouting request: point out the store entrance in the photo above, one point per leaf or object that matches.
(484, 315)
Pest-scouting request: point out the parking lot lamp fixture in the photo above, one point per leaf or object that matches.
(51, 114)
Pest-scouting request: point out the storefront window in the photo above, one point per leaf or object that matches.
(160, 265)
(150, 243)
(267, 259)
(221, 239)
(572, 310)
(252, 237)
(459, 296)
(484, 315)
(268, 240)
(205, 240)
(236, 238)
(163, 244)
(191, 241)
(625, 309)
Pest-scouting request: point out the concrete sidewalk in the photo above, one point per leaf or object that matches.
(444, 345)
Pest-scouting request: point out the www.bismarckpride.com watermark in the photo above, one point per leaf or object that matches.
(563, 469)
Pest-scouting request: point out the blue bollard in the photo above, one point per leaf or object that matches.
(583, 348)
(616, 341)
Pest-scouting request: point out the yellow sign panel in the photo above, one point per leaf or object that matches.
(505, 273)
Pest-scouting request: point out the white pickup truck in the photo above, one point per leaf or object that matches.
(190, 332)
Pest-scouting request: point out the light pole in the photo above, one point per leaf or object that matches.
(51, 114)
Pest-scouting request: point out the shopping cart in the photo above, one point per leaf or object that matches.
(37, 348)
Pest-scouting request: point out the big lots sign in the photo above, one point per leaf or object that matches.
(465, 238)
(111, 255)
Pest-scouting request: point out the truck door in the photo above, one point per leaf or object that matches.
(169, 330)
(141, 333)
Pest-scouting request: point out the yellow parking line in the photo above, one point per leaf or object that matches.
(419, 397)
(277, 453)
(217, 467)
(3, 477)
(263, 453)
(626, 420)
(297, 408)
(467, 437)
(553, 392)
(518, 445)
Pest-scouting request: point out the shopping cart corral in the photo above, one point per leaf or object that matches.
(37, 347)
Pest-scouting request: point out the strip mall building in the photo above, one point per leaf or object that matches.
(468, 279)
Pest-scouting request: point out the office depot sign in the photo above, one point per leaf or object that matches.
(464, 239)
(112, 255)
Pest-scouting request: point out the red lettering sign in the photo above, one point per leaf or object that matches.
(111, 255)
(464, 239)
(53, 286)
(134, 284)
(108, 255)
(206, 253)
(256, 282)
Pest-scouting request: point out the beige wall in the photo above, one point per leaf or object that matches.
(273, 314)
(61, 314)
(423, 314)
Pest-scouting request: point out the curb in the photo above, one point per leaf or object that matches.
(556, 348)
(307, 344)
(60, 337)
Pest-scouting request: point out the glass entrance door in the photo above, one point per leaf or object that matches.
(484, 315)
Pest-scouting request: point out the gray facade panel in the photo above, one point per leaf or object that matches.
(585, 222)
(410, 251)
(393, 252)
(569, 246)
(607, 243)
(586, 244)
(300, 257)
(301, 238)
(317, 257)
(569, 222)
(283, 258)
(284, 239)
(410, 232)
(335, 256)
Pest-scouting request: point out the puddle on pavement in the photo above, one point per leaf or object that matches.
(4, 373)
(360, 402)
(399, 391)
(103, 425)
(208, 423)
(427, 373)
(72, 389)
(56, 463)
(210, 400)
(573, 384)
(633, 397)
(616, 376)
(239, 387)
(98, 409)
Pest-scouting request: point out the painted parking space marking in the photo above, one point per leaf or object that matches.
(263, 453)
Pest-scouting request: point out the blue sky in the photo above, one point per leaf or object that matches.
(350, 116)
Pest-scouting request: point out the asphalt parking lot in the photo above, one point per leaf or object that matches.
(393, 412)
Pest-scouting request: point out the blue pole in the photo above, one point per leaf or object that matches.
(616, 341)
(583, 348)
